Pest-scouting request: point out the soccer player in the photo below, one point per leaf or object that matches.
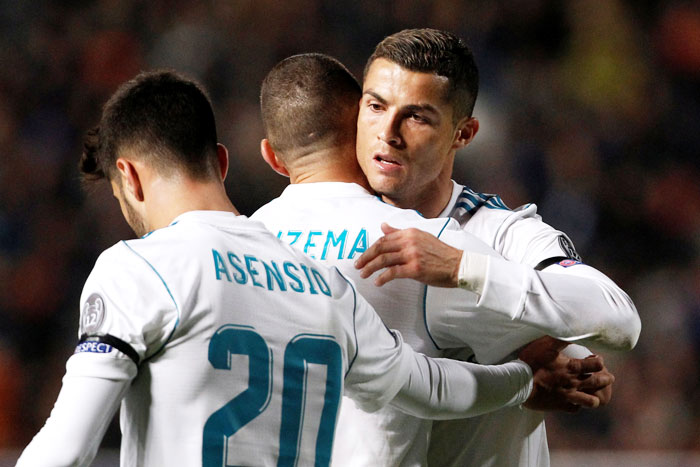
(419, 91)
(223, 345)
(307, 102)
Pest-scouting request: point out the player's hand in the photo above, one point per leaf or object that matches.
(412, 254)
(601, 387)
(560, 382)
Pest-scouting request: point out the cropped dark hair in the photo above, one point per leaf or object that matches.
(164, 118)
(438, 52)
(307, 100)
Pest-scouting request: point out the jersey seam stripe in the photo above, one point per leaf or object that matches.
(354, 325)
(447, 221)
(177, 308)
(425, 317)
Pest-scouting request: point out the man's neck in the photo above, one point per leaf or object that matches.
(169, 199)
(332, 165)
(430, 202)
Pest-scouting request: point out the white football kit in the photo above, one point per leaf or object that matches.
(225, 346)
(336, 222)
(513, 436)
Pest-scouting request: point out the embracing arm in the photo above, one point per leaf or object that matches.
(80, 416)
(544, 379)
(572, 303)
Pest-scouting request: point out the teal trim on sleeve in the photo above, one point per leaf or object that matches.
(177, 308)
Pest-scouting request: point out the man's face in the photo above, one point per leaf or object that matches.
(132, 217)
(406, 139)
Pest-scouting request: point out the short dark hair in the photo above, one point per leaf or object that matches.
(438, 52)
(165, 117)
(305, 101)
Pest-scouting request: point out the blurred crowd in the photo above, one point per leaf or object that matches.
(591, 109)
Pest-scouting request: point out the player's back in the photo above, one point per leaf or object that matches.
(336, 222)
(241, 340)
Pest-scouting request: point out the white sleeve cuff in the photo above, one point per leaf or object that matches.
(472, 272)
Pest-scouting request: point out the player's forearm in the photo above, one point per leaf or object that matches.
(576, 303)
(78, 421)
(447, 389)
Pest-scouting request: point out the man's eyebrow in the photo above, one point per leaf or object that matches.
(411, 108)
(375, 95)
(422, 108)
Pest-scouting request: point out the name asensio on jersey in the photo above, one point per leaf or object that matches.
(298, 277)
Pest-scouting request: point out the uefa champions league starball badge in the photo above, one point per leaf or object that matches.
(93, 314)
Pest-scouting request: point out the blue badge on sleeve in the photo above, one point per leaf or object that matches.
(93, 347)
(568, 263)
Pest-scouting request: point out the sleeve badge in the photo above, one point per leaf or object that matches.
(93, 314)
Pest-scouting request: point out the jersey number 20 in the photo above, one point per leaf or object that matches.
(300, 351)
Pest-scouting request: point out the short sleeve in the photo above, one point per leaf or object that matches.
(126, 311)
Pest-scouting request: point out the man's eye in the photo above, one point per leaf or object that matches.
(374, 106)
(418, 118)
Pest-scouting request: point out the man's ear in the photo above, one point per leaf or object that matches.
(466, 131)
(222, 155)
(130, 178)
(271, 158)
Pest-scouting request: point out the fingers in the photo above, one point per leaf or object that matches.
(384, 260)
(582, 399)
(378, 248)
(387, 229)
(587, 365)
(597, 381)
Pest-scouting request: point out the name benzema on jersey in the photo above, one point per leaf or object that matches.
(326, 244)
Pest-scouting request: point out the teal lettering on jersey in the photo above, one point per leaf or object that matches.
(289, 275)
(335, 241)
(295, 234)
(220, 266)
(360, 245)
(251, 269)
(274, 273)
(321, 282)
(240, 276)
(312, 289)
(298, 285)
(310, 242)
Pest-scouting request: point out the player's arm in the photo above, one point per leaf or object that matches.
(89, 397)
(385, 369)
(571, 303)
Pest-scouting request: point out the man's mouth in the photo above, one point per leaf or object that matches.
(385, 160)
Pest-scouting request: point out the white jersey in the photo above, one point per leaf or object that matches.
(227, 347)
(336, 222)
(510, 436)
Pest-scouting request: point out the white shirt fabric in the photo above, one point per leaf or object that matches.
(228, 347)
(313, 216)
(513, 436)
(336, 223)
